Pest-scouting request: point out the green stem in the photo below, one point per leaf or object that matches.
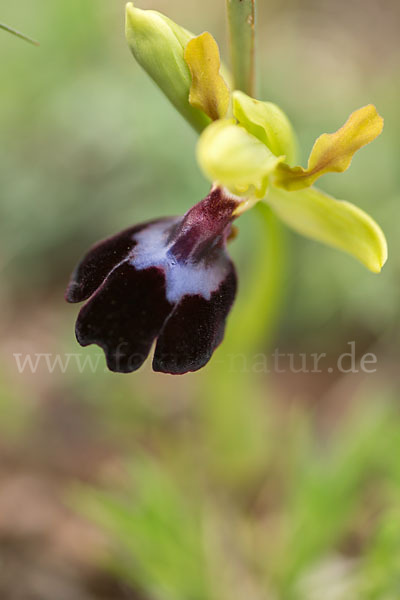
(233, 403)
(260, 308)
(258, 311)
(18, 34)
(241, 18)
(234, 432)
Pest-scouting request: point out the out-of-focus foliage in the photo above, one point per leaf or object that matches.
(310, 510)
(15, 416)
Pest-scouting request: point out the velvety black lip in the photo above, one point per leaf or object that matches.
(124, 316)
(124, 282)
(100, 260)
(194, 329)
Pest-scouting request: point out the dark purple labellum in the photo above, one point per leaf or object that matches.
(169, 280)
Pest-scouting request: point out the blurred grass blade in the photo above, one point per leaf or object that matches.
(18, 34)
(241, 18)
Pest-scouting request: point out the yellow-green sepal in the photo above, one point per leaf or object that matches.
(267, 122)
(158, 44)
(232, 157)
(336, 223)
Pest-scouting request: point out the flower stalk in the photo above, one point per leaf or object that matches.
(255, 320)
(241, 19)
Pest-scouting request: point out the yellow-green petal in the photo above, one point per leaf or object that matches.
(158, 45)
(232, 157)
(208, 91)
(334, 222)
(267, 122)
(333, 152)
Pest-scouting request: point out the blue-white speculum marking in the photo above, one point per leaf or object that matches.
(169, 280)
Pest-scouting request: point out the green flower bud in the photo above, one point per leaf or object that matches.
(158, 44)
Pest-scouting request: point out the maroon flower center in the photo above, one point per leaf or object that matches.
(204, 227)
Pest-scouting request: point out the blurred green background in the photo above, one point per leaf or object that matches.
(228, 483)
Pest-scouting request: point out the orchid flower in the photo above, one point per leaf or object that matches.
(171, 280)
